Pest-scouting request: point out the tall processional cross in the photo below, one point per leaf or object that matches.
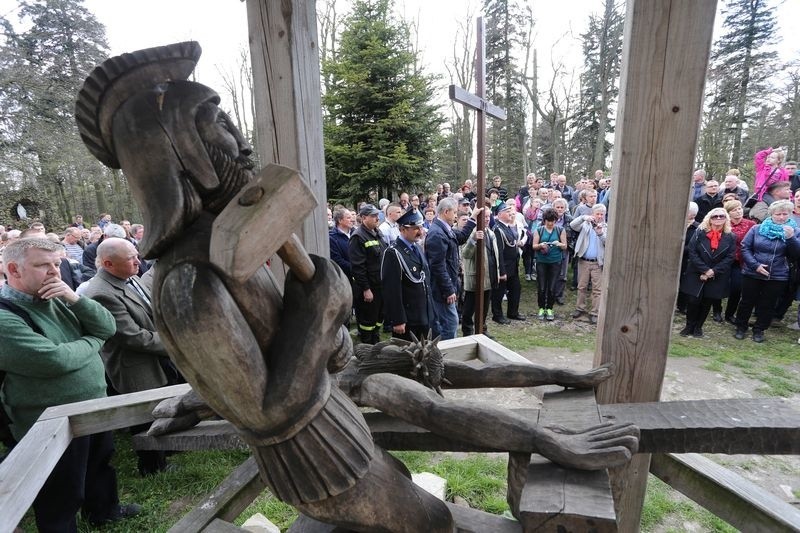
(482, 107)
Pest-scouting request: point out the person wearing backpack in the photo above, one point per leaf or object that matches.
(549, 244)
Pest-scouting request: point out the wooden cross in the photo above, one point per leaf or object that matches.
(482, 106)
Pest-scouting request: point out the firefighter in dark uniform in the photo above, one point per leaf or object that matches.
(366, 252)
(406, 281)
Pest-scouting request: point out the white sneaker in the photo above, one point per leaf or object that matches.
(794, 325)
(527, 277)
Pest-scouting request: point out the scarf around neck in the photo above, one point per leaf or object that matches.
(714, 237)
(772, 231)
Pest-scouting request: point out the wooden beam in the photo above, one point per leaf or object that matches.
(115, 412)
(664, 61)
(476, 102)
(554, 498)
(744, 505)
(228, 500)
(760, 426)
(28, 466)
(286, 88)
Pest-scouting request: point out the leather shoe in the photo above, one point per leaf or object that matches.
(123, 511)
(517, 317)
(730, 320)
(593, 319)
(718, 317)
(697, 333)
(502, 320)
(758, 336)
(739, 334)
(685, 332)
(577, 313)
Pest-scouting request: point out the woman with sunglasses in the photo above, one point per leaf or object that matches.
(766, 250)
(707, 276)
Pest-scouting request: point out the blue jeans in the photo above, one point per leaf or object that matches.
(445, 321)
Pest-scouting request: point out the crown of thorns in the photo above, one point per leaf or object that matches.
(115, 80)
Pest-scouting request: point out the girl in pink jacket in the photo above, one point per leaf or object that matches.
(769, 169)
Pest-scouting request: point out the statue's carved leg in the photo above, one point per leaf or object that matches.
(384, 500)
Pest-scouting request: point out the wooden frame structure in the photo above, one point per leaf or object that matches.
(550, 500)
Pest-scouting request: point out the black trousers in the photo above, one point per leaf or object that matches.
(761, 295)
(469, 320)
(546, 277)
(421, 332)
(82, 479)
(369, 316)
(512, 287)
(697, 310)
(735, 292)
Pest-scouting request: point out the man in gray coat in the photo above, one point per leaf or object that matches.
(135, 358)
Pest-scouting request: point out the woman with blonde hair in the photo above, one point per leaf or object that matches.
(707, 276)
(766, 250)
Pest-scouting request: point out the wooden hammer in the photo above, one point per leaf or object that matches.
(259, 221)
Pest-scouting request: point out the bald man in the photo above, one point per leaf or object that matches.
(135, 358)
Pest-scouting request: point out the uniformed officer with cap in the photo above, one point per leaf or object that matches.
(366, 248)
(406, 281)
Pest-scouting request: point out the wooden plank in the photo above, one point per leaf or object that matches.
(221, 526)
(561, 499)
(476, 102)
(228, 500)
(761, 426)
(664, 61)
(736, 500)
(285, 58)
(115, 412)
(28, 466)
(207, 435)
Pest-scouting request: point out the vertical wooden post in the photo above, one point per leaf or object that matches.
(664, 62)
(285, 57)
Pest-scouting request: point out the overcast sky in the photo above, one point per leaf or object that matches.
(221, 27)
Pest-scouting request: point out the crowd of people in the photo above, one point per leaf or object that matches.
(77, 324)
(741, 247)
(413, 262)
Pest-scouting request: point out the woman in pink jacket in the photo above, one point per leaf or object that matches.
(769, 169)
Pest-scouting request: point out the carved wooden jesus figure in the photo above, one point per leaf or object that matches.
(261, 358)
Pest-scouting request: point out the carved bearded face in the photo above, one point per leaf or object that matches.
(229, 153)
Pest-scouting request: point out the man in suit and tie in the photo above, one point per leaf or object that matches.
(508, 258)
(135, 358)
(405, 277)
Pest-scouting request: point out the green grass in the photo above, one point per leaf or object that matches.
(662, 503)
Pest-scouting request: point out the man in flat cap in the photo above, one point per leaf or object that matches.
(405, 276)
(366, 251)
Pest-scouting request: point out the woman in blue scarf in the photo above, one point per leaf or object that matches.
(765, 267)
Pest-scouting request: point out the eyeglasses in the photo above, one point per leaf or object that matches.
(717, 216)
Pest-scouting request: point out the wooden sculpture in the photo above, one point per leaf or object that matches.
(261, 357)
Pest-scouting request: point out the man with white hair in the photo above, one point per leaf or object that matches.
(590, 251)
(731, 185)
(135, 358)
(698, 184)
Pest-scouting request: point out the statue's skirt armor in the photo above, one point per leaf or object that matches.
(323, 459)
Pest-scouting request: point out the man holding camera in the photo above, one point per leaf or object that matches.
(590, 250)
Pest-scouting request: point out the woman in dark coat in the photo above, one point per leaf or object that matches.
(707, 276)
(766, 250)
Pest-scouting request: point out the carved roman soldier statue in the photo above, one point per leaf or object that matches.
(260, 357)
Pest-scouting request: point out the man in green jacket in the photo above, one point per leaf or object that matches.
(50, 339)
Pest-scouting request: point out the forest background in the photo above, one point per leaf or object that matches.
(387, 124)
